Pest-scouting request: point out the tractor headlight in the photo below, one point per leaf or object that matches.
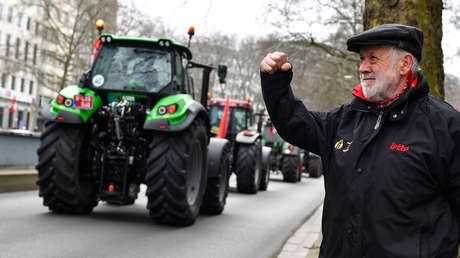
(162, 110)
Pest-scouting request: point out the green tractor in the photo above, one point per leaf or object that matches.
(250, 158)
(291, 160)
(312, 164)
(133, 120)
(285, 157)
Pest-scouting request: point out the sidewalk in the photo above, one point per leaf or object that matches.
(17, 171)
(306, 240)
(17, 179)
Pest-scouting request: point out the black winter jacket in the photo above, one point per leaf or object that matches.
(392, 175)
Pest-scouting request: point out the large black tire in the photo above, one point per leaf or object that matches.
(290, 168)
(64, 179)
(265, 174)
(299, 175)
(315, 167)
(216, 192)
(176, 175)
(248, 167)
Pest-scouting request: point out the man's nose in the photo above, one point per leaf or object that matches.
(365, 67)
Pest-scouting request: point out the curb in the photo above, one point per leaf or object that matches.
(18, 180)
(305, 242)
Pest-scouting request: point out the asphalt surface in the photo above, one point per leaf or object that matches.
(251, 226)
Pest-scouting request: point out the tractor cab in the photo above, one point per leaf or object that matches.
(240, 116)
(139, 65)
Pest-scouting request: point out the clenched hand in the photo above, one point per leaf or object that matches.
(274, 62)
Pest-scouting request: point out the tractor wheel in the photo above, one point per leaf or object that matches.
(64, 179)
(248, 167)
(315, 167)
(217, 188)
(290, 168)
(176, 175)
(265, 177)
(299, 174)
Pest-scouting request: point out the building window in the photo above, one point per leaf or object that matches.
(20, 124)
(27, 120)
(37, 28)
(29, 22)
(23, 84)
(1, 117)
(71, 20)
(19, 19)
(10, 15)
(13, 82)
(7, 49)
(54, 13)
(18, 45)
(3, 80)
(31, 87)
(64, 17)
(10, 120)
(34, 58)
(26, 51)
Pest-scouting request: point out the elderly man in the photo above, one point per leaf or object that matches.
(391, 156)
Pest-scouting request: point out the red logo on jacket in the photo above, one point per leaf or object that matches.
(399, 147)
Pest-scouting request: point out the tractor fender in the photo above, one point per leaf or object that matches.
(216, 148)
(69, 114)
(266, 152)
(163, 125)
(286, 152)
(247, 137)
(63, 117)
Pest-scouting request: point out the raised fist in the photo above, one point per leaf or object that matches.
(274, 62)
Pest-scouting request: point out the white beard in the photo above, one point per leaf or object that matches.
(384, 86)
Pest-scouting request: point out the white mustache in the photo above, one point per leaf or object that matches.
(364, 76)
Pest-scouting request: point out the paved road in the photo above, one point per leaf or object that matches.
(251, 226)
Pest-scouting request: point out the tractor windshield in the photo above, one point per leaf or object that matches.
(132, 68)
(237, 118)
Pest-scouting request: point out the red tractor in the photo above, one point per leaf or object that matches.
(234, 120)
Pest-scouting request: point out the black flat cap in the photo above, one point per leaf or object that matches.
(406, 37)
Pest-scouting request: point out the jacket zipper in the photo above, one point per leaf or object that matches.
(379, 121)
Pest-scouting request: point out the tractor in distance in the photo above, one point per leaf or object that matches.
(235, 121)
(133, 119)
(290, 160)
(285, 157)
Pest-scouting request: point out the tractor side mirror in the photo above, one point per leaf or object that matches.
(84, 80)
(261, 115)
(222, 73)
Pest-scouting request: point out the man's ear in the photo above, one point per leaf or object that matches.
(405, 64)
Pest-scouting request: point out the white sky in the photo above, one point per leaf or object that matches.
(239, 17)
(247, 17)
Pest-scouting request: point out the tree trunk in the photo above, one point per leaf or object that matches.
(424, 14)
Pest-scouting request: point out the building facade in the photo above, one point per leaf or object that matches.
(34, 36)
(19, 52)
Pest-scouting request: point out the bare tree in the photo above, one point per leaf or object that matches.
(314, 37)
(67, 33)
(133, 23)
